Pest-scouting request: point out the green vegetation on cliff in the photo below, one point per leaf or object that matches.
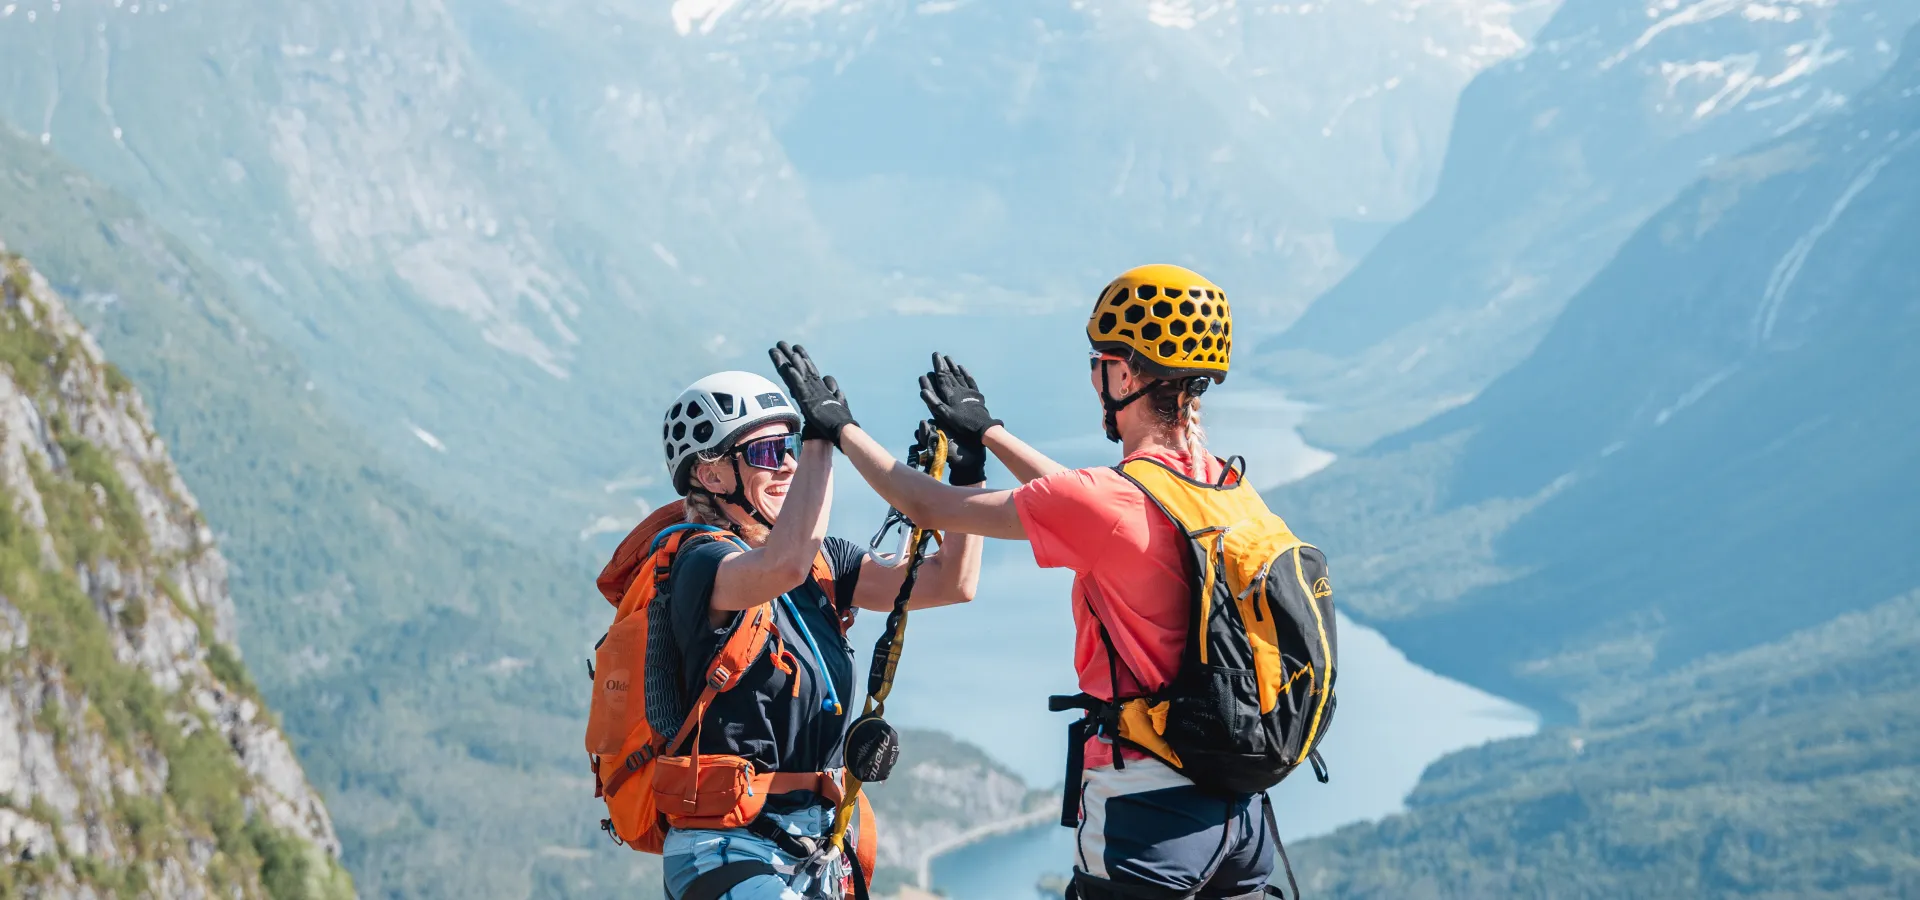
(94, 530)
(427, 667)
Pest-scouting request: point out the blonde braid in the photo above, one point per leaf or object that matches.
(703, 508)
(1196, 437)
(1176, 405)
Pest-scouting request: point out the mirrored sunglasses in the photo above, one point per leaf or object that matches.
(770, 452)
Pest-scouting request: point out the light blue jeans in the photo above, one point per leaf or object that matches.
(689, 853)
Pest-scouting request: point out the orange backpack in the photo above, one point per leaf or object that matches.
(645, 789)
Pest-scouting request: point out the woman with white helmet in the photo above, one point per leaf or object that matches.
(747, 465)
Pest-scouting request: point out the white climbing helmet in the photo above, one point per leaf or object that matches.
(713, 412)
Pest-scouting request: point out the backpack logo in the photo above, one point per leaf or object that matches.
(616, 685)
(1321, 589)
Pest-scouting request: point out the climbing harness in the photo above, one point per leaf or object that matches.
(872, 746)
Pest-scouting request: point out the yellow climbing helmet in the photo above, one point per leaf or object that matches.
(1173, 320)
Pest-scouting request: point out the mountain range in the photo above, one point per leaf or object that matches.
(1679, 528)
(496, 231)
(1620, 405)
(1557, 157)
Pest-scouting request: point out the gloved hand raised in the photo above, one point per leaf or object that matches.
(822, 407)
(966, 463)
(955, 401)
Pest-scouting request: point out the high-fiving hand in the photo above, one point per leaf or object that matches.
(960, 410)
(955, 400)
(822, 407)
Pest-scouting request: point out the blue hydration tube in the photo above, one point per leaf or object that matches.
(661, 538)
(832, 703)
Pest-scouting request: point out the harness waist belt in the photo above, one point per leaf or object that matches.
(824, 784)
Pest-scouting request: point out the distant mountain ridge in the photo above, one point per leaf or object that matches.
(1556, 158)
(496, 230)
(1682, 528)
(1726, 411)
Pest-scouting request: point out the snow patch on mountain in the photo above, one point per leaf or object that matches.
(702, 15)
(1785, 12)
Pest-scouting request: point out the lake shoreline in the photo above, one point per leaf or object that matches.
(1030, 819)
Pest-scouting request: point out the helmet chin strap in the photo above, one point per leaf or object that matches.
(738, 496)
(1114, 405)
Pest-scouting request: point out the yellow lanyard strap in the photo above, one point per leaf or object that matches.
(893, 640)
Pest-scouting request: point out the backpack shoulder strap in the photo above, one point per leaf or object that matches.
(823, 575)
(724, 671)
(1194, 506)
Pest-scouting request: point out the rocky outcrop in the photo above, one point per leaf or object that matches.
(136, 757)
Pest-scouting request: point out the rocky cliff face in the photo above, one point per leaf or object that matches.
(136, 756)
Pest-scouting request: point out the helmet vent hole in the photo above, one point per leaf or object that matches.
(1186, 307)
(1206, 309)
(1189, 345)
(1177, 327)
(1107, 321)
(1118, 297)
(679, 431)
(703, 432)
(1206, 343)
(725, 402)
(694, 411)
(683, 448)
(1209, 293)
(675, 414)
(1125, 332)
(1146, 292)
(1167, 348)
(1150, 331)
(1135, 313)
(1162, 309)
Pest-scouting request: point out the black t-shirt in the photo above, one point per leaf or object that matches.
(760, 719)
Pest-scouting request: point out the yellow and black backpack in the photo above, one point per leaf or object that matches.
(1254, 693)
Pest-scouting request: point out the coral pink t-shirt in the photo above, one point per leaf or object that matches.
(1128, 562)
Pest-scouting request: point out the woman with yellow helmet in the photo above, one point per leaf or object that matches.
(1160, 336)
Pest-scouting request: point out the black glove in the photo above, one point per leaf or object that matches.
(822, 407)
(966, 463)
(955, 401)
